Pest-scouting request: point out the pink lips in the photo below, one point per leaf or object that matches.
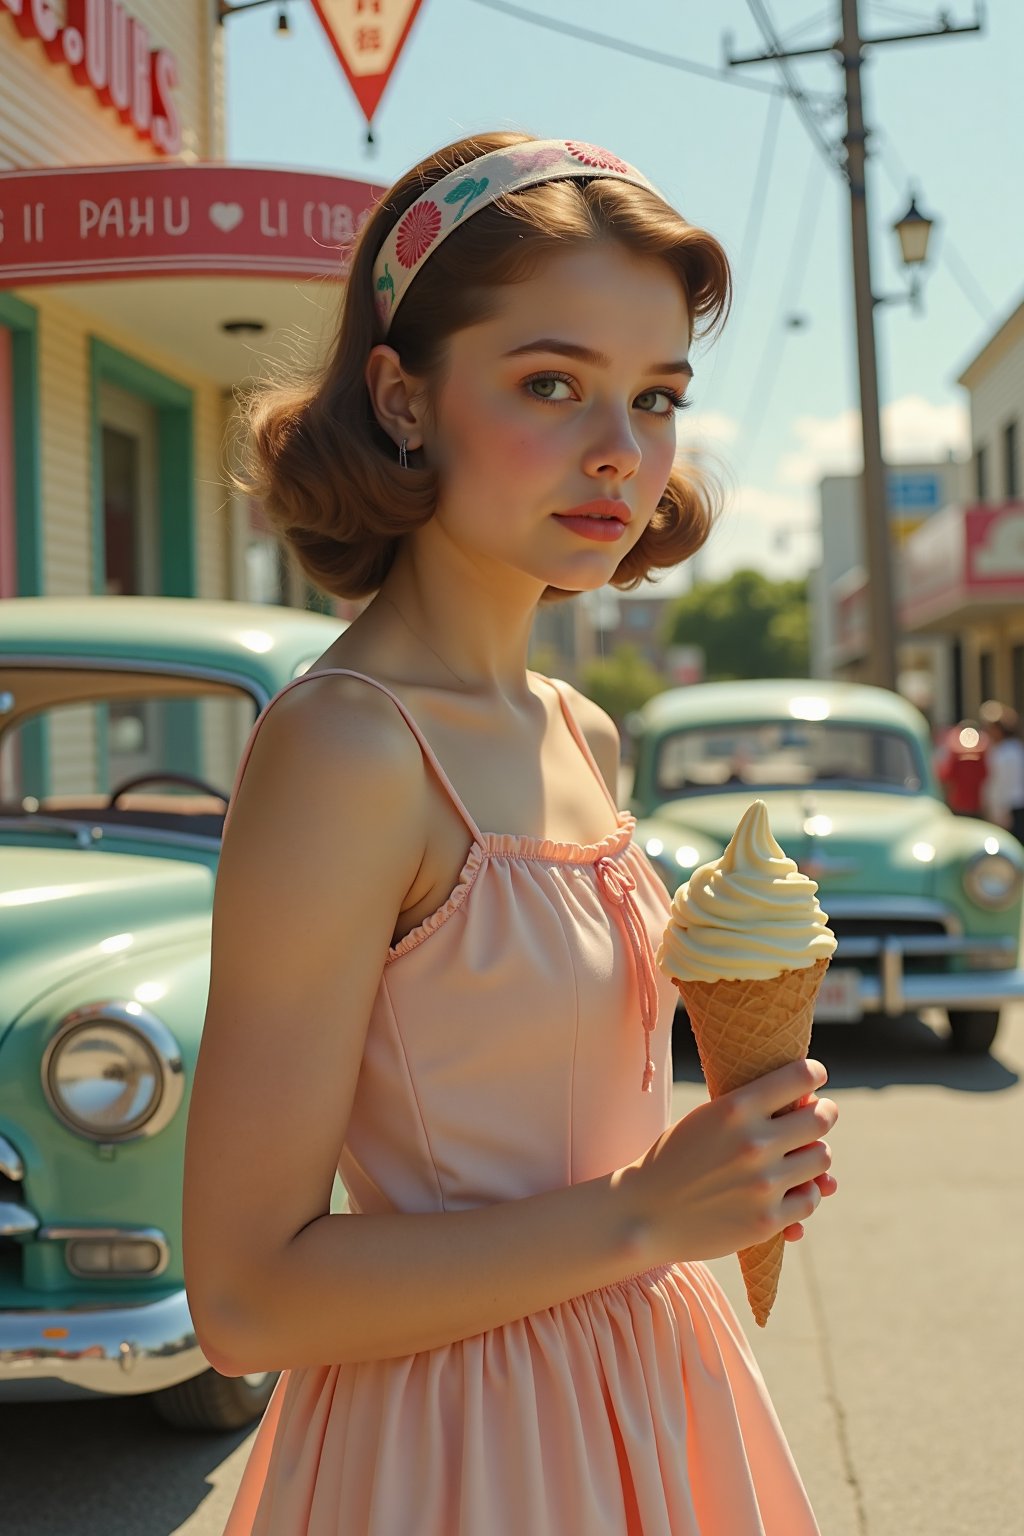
(601, 521)
(605, 508)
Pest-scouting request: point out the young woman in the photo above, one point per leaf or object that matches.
(433, 932)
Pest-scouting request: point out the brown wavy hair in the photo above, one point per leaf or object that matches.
(326, 473)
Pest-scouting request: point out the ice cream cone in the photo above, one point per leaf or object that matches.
(743, 1030)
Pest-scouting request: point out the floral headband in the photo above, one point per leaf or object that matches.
(470, 187)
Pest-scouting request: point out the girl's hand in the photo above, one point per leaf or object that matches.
(825, 1182)
(738, 1170)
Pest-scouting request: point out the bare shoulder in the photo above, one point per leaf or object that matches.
(600, 731)
(335, 732)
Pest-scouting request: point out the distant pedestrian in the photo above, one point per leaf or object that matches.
(961, 764)
(1004, 782)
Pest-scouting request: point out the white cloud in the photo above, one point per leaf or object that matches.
(772, 531)
(913, 429)
(699, 431)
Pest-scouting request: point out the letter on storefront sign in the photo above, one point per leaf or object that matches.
(112, 218)
(169, 227)
(140, 216)
(142, 93)
(282, 217)
(166, 120)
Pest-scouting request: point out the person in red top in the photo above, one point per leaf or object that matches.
(962, 769)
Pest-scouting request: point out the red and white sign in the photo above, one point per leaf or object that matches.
(964, 555)
(113, 54)
(71, 224)
(367, 36)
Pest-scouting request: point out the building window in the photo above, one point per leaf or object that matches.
(1017, 674)
(987, 675)
(980, 474)
(1011, 477)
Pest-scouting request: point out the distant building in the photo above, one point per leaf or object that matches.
(959, 575)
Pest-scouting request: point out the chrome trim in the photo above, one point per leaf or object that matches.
(16, 1220)
(88, 832)
(152, 1235)
(46, 663)
(161, 1042)
(80, 830)
(11, 1165)
(891, 991)
(117, 1351)
(980, 989)
(898, 907)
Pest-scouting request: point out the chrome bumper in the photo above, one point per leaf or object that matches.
(892, 992)
(109, 1351)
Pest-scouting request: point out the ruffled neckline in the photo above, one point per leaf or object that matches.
(514, 845)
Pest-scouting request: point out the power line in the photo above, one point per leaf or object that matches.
(794, 90)
(959, 268)
(752, 232)
(803, 239)
(635, 50)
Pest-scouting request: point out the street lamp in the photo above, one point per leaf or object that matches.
(914, 231)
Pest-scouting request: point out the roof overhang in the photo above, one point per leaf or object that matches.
(172, 253)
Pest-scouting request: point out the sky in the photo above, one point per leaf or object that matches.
(775, 404)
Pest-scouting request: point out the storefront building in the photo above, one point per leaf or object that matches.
(959, 575)
(142, 283)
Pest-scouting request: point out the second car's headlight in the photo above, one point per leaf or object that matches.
(113, 1072)
(992, 880)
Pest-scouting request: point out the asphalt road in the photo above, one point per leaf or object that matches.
(894, 1353)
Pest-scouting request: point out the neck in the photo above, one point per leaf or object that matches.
(456, 629)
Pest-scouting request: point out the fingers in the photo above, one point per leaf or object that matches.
(781, 1089)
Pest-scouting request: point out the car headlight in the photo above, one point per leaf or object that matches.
(112, 1072)
(992, 880)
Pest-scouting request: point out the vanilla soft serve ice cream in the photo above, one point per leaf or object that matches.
(747, 946)
(749, 915)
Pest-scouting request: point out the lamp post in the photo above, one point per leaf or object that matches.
(914, 231)
(224, 10)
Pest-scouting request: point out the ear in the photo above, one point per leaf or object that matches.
(396, 396)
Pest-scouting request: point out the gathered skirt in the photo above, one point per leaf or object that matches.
(634, 1410)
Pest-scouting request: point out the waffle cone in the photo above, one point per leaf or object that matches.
(743, 1030)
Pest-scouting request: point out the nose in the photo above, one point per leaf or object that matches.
(613, 452)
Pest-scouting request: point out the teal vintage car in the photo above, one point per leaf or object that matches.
(122, 721)
(925, 905)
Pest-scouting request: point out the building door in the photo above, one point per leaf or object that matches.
(131, 560)
(8, 542)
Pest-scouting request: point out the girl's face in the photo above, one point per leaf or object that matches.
(564, 400)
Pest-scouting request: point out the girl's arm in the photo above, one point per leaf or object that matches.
(327, 835)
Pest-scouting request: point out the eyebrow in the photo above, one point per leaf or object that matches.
(588, 355)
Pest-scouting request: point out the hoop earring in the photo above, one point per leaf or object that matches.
(403, 457)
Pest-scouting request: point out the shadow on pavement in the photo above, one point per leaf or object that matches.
(103, 1468)
(878, 1055)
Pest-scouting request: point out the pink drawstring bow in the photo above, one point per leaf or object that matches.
(617, 886)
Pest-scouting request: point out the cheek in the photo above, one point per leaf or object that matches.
(484, 438)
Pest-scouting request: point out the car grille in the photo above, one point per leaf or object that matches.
(890, 928)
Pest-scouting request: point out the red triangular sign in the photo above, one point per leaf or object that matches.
(367, 36)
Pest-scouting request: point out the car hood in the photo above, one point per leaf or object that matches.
(858, 831)
(65, 914)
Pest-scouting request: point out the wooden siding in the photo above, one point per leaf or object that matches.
(66, 432)
(46, 118)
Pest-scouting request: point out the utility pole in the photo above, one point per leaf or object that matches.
(849, 48)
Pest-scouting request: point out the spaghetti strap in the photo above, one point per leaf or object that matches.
(425, 747)
(580, 739)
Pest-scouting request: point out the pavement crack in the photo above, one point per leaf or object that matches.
(832, 1391)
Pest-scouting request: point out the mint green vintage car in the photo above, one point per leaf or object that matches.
(925, 905)
(122, 721)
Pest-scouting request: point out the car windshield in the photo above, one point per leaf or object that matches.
(770, 754)
(64, 753)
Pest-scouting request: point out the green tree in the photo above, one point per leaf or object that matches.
(748, 626)
(621, 682)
